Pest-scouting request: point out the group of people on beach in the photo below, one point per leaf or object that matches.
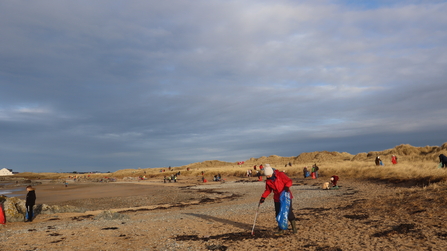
(276, 181)
(313, 172)
(378, 161)
(255, 167)
(170, 178)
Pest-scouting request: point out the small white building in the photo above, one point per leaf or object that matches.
(4, 172)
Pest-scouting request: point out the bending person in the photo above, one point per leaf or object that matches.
(277, 182)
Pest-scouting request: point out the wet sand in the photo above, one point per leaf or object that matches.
(57, 193)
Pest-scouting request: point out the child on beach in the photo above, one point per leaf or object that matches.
(29, 203)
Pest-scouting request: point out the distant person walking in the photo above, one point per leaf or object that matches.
(316, 169)
(443, 160)
(377, 161)
(394, 159)
(29, 203)
(277, 182)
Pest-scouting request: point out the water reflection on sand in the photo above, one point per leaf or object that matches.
(6, 190)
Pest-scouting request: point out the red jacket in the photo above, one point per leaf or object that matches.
(277, 186)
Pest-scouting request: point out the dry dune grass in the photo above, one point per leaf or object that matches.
(419, 171)
(416, 164)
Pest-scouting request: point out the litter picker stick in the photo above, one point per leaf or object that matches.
(254, 223)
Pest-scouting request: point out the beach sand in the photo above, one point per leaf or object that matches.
(103, 196)
(190, 215)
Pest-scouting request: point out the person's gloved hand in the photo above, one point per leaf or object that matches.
(286, 189)
(262, 200)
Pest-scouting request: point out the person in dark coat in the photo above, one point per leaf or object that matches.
(443, 160)
(30, 202)
(377, 161)
(316, 169)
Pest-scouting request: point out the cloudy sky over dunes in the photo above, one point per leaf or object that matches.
(107, 85)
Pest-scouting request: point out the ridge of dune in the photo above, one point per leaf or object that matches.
(403, 151)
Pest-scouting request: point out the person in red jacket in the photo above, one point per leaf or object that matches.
(394, 159)
(334, 180)
(277, 182)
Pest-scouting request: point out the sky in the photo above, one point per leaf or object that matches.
(109, 85)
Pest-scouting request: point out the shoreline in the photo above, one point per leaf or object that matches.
(16, 192)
